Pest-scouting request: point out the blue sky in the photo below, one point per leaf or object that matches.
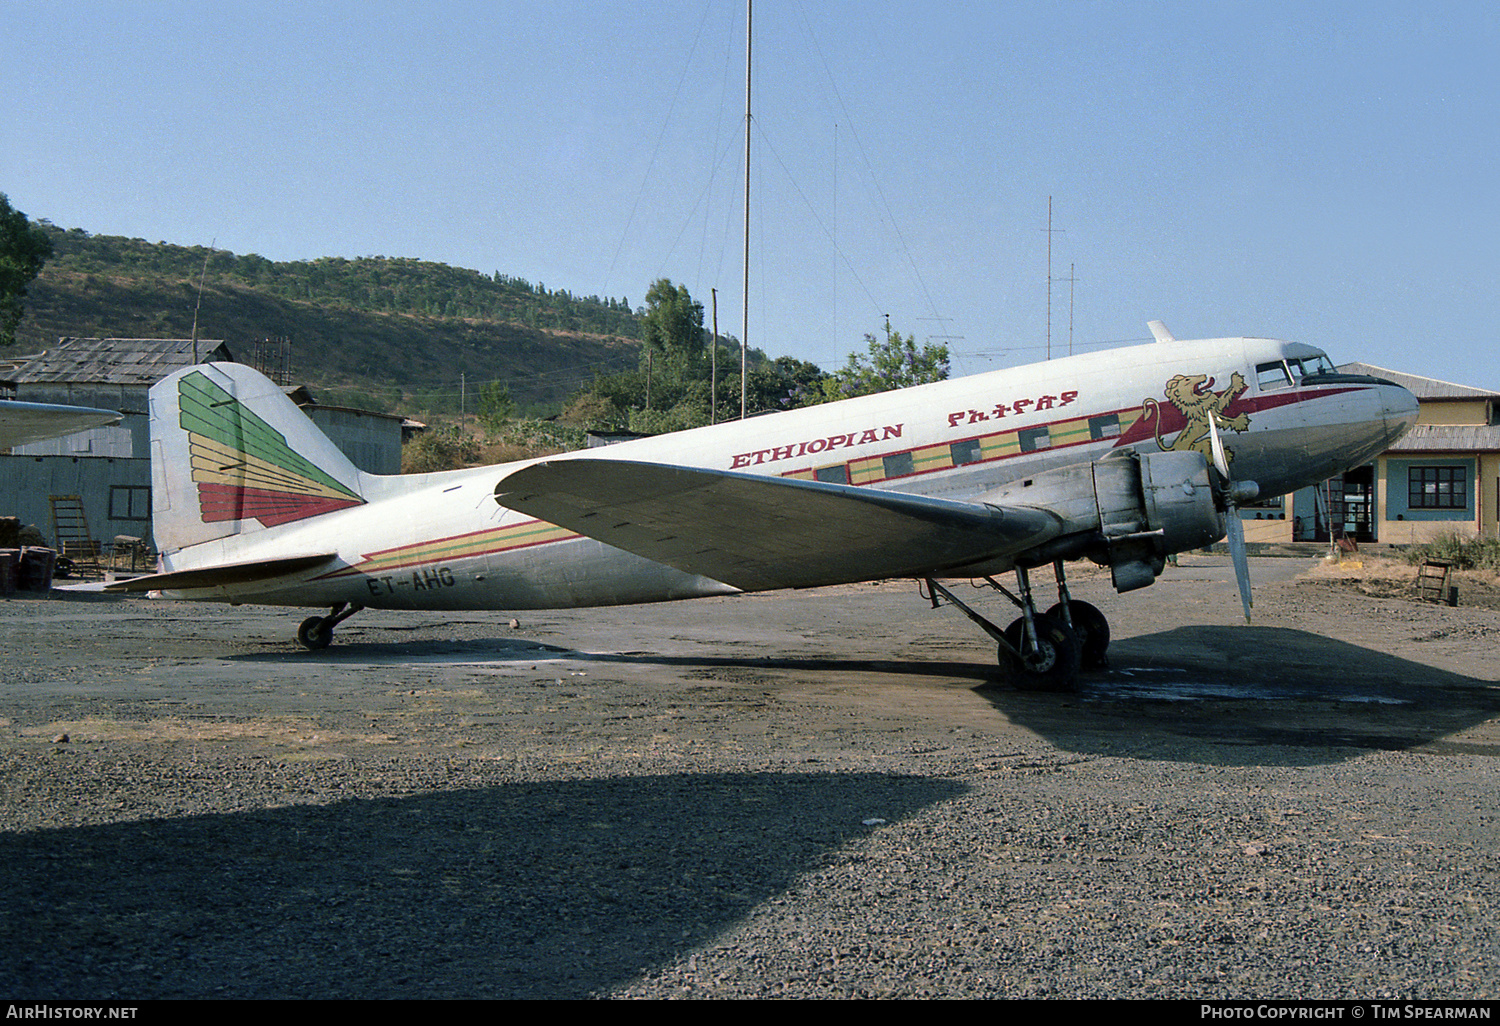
(1325, 172)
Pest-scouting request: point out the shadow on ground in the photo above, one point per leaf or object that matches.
(536, 890)
(1246, 695)
(1222, 695)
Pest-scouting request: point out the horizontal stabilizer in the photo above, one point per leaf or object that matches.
(224, 574)
(757, 533)
(23, 423)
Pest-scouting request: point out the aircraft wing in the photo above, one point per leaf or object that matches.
(757, 533)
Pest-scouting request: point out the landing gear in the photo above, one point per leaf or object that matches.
(1051, 662)
(313, 635)
(1090, 626)
(1042, 651)
(316, 632)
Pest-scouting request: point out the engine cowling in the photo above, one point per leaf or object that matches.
(1126, 512)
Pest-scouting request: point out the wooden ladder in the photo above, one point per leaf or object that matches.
(1432, 580)
(70, 530)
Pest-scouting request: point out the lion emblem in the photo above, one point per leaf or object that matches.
(1195, 399)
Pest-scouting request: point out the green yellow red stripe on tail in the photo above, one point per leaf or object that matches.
(244, 468)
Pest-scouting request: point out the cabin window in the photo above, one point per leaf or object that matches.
(1272, 375)
(1032, 439)
(898, 465)
(1437, 488)
(836, 474)
(965, 452)
(1107, 426)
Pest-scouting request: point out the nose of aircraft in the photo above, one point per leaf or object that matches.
(1400, 408)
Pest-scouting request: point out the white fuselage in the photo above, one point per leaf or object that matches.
(441, 541)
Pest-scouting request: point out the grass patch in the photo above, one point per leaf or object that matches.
(1463, 553)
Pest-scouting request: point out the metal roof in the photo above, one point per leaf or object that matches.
(1422, 388)
(1448, 438)
(116, 361)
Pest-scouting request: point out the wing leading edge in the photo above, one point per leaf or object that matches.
(760, 533)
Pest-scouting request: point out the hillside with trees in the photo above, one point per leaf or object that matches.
(424, 339)
(24, 249)
(373, 330)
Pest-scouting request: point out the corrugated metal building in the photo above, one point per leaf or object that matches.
(110, 467)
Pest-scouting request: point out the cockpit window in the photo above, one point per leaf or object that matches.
(1309, 366)
(1272, 375)
(1292, 371)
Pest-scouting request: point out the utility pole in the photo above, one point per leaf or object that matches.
(713, 364)
(201, 275)
(1070, 279)
(745, 299)
(1049, 229)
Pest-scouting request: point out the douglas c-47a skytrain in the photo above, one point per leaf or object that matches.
(1123, 457)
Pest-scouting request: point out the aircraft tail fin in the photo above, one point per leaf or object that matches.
(231, 454)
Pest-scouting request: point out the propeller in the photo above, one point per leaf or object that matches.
(1232, 493)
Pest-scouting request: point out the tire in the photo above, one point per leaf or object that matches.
(1092, 630)
(314, 635)
(1054, 665)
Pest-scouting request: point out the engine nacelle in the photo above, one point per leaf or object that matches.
(1126, 512)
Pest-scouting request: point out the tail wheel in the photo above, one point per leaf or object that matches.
(314, 634)
(1053, 664)
(1092, 630)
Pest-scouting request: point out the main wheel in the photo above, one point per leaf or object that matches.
(314, 634)
(1092, 630)
(1053, 664)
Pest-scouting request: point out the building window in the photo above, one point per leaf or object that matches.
(1262, 505)
(129, 502)
(1437, 488)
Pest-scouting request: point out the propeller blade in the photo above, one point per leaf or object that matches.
(1237, 555)
(1216, 445)
(1234, 527)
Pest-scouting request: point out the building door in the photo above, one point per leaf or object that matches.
(1350, 503)
(1346, 504)
(1358, 511)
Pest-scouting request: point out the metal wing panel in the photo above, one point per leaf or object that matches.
(759, 533)
(223, 574)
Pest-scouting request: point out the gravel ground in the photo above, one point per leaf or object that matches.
(799, 795)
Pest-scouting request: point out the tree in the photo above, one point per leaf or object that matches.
(24, 248)
(893, 363)
(672, 328)
(496, 406)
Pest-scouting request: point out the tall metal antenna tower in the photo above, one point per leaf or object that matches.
(1049, 229)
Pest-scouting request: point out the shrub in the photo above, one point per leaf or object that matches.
(444, 449)
(1463, 553)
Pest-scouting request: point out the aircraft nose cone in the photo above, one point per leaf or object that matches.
(1400, 408)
